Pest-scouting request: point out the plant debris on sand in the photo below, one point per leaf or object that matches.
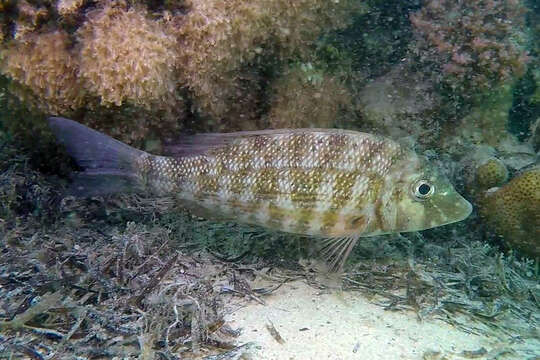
(126, 277)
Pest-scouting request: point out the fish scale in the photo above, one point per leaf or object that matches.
(336, 184)
(310, 181)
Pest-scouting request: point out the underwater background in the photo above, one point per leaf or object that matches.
(136, 276)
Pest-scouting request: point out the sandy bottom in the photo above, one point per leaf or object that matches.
(314, 325)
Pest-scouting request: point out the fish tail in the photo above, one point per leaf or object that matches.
(109, 166)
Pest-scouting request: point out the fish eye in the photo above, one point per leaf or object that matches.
(423, 189)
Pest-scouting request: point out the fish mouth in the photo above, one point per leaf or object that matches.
(458, 211)
(446, 208)
(468, 209)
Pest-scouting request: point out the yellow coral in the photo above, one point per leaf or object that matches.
(218, 37)
(306, 98)
(126, 56)
(491, 173)
(47, 71)
(514, 211)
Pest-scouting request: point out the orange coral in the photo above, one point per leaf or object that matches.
(304, 97)
(514, 211)
(47, 70)
(126, 56)
(218, 37)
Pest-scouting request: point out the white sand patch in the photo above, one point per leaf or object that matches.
(343, 326)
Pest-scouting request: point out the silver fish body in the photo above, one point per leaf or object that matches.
(329, 183)
(310, 181)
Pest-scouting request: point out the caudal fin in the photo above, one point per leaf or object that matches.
(108, 164)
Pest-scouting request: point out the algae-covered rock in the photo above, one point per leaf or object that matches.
(487, 119)
(305, 96)
(219, 40)
(474, 46)
(70, 58)
(401, 103)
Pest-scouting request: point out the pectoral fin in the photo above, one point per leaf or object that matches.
(336, 250)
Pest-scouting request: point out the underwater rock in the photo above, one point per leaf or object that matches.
(474, 46)
(473, 167)
(485, 167)
(513, 211)
(400, 104)
(133, 53)
(534, 102)
(306, 97)
(486, 121)
(535, 135)
(135, 125)
(516, 155)
(218, 40)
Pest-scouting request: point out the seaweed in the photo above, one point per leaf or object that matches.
(76, 283)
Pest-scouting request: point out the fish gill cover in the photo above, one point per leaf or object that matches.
(130, 275)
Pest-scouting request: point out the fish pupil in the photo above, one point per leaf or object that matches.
(424, 189)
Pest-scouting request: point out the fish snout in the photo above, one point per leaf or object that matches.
(449, 208)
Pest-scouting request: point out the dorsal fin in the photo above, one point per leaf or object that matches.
(198, 144)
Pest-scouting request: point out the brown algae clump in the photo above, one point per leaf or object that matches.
(45, 71)
(67, 8)
(125, 56)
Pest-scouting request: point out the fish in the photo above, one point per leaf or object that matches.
(331, 184)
